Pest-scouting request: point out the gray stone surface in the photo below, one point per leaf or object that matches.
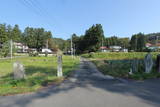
(158, 63)
(59, 66)
(86, 89)
(18, 71)
(148, 63)
(134, 66)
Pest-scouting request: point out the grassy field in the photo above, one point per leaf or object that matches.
(40, 72)
(118, 55)
(119, 64)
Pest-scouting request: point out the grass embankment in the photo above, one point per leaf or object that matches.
(119, 64)
(40, 72)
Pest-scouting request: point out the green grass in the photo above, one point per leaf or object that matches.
(40, 72)
(119, 64)
(118, 55)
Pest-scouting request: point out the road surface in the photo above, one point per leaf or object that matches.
(89, 88)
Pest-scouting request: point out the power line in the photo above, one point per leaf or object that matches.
(29, 4)
(39, 7)
(43, 10)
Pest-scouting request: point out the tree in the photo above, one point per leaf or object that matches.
(141, 42)
(138, 42)
(16, 34)
(3, 33)
(124, 42)
(114, 40)
(93, 38)
(36, 37)
(52, 45)
(29, 37)
(5, 50)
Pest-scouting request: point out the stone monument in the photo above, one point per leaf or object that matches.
(134, 66)
(148, 63)
(59, 66)
(158, 63)
(18, 71)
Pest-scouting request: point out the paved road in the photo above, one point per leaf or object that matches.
(89, 88)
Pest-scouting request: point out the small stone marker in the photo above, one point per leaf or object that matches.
(130, 72)
(46, 54)
(158, 63)
(19, 71)
(148, 63)
(134, 66)
(59, 66)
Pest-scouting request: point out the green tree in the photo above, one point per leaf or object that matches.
(138, 42)
(36, 37)
(16, 34)
(124, 42)
(3, 33)
(5, 50)
(93, 38)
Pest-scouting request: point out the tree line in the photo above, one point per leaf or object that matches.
(32, 37)
(91, 41)
(94, 38)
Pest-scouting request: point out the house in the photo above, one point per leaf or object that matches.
(115, 48)
(148, 45)
(153, 47)
(124, 50)
(44, 50)
(104, 49)
(21, 48)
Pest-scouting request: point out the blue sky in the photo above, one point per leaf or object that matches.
(64, 17)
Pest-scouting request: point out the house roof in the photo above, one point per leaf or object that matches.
(152, 45)
(103, 47)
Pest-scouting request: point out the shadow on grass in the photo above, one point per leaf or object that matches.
(34, 76)
(87, 78)
(30, 70)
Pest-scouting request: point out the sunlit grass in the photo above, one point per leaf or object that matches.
(119, 55)
(119, 64)
(40, 72)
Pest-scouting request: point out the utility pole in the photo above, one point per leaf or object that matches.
(11, 49)
(71, 47)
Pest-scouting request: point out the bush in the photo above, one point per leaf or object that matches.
(33, 54)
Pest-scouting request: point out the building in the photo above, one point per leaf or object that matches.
(148, 45)
(44, 50)
(124, 50)
(153, 47)
(115, 48)
(21, 48)
(104, 49)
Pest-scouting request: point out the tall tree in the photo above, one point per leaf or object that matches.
(138, 42)
(37, 37)
(3, 33)
(93, 38)
(16, 34)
